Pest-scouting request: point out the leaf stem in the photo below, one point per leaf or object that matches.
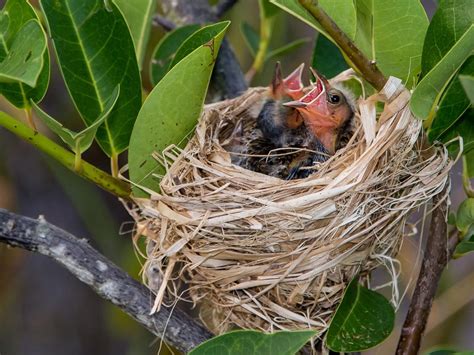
(77, 157)
(88, 171)
(114, 165)
(29, 118)
(367, 68)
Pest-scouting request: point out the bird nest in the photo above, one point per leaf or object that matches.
(259, 252)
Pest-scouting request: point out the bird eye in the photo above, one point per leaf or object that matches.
(334, 98)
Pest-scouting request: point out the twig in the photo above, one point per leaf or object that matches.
(439, 250)
(163, 22)
(87, 171)
(105, 278)
(366, 67)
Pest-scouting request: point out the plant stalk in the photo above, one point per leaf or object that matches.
(29, 118)
(88, 171)
(367, 68)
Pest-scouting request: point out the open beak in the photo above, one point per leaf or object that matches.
(294, 84)
(314, 104)
(314, 108)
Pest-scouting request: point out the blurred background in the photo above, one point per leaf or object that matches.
(45, 310)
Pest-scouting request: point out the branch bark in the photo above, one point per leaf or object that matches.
(439, 250)
(227, 78)
(105, 278)
(366, 67)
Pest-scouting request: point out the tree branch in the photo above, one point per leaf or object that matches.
(227, 78)
(104, 277)
(439, 250)
(87, 171)
(366, 67)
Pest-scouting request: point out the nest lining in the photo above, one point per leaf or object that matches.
(259, 252)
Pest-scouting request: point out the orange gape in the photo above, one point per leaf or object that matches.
(325, 110)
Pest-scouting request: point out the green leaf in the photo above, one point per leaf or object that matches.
(464, 247)
(442, 53)
(24, 60)
(391, 32)
(251, 37)
(166, 49)
(452, 105)
(138, 14)
(327, 58)
(465, 216)
(171, 111)
(288, 48)
(462, 127)
(268, 9)
(467, 82)
(470, 163)
(341, 11)
(18, 13)
(447, 352)
(249, 342)
(81, 141)
(96, 53)
(202, 37)
(363, 319)
(427, 93)
(451, 21)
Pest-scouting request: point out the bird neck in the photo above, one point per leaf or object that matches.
(328, 137)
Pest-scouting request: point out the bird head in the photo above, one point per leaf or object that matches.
(291, 86)
(325, 110)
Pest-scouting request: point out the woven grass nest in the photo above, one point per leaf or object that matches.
(264, 253)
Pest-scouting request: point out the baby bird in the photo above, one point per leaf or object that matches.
(326, 111)
(295, 130)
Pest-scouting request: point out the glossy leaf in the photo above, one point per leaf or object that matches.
(171, 111)
(451, 20)
(341, 11)
(452, 105)
(286, 49)
(96, 53)
(78, 142)
(463, 127)
(251, 342)
(428, 91)
(363, 319)
(251, 37)
(17, 14)
(467, 82)
(442, 53)
(466, 246)
(391, 32)
(24, 60)
(327, 58)
(465, 216)
(138, 14)
(166, 49)
(204, 36)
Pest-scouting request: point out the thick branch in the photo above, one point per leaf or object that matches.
(105, 278)
(439, 250)
(227, 78)
(366, 67)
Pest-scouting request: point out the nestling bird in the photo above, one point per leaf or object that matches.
(294, 129)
